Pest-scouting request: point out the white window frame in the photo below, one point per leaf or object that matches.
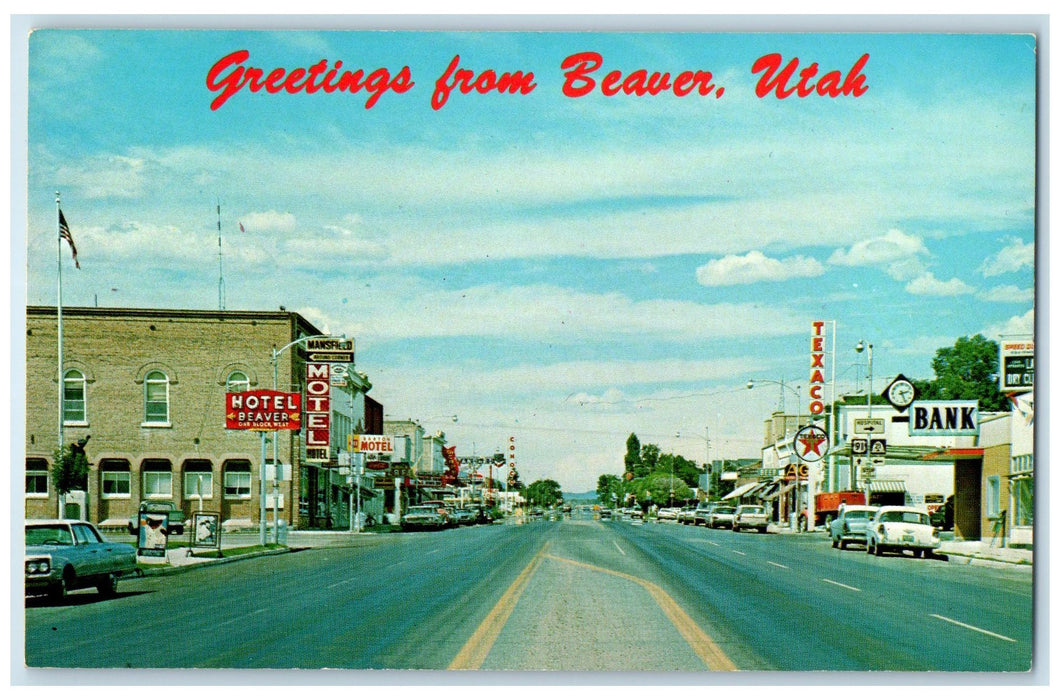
(152, 380)
(149, 493)
(191, 484)
(75, 377)
(993, 496)
(238, 496)
(117, 494)
(36, 473)
(235, 386)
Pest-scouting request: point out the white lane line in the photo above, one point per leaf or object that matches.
(712, 544)
(240, 617)
(618, 548)
(779, 566)
(742, 554)
(841, 585)
(977, 629)
(343, 583)
(433, 551)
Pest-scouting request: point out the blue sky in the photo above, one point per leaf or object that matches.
(562, 270)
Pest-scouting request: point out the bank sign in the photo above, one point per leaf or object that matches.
(263, 409)
(944, 418)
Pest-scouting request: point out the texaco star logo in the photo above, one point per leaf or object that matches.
(811, 443)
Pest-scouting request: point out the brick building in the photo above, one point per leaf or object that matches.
(148, 386)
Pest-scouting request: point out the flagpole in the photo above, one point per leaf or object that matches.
(59, 313)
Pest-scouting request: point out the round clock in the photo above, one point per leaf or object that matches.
(901, 393)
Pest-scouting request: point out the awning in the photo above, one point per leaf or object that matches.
(746, 488)
(769, 489)
(887, 486)
(781, 492)
(954, 452)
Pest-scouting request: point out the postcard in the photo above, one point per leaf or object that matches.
(513, 350)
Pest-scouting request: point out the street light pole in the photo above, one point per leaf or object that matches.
(861, 347)
(798, 416)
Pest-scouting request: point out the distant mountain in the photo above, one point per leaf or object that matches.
(583, 496)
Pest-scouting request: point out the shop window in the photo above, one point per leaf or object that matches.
(157, 478)
(1023, 501)
(74, 406)
(198, 478)
(116, 478)
(237, 480)
(156, 398)
(993, 496)
(36, 478)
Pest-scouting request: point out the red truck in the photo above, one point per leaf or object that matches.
(826, 506)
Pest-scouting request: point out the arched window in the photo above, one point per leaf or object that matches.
(237, 381)
(74, 409)
(156, 397)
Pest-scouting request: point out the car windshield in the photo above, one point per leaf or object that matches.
(723, 510)
(904, 516)
(857, 515)
(48, 534)
(752, 509)
(423, 509)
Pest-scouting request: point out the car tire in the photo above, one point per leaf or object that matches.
(868, 547)
(842, 543)
(835, 543)
(878, 550)
(60, 590)
(762, 530)
(108, 586)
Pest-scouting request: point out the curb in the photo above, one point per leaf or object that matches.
(172, 569)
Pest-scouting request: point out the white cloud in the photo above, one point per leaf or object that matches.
(927, 285)
(1015, 256)
(259, 221)
(895, 251)
(756, 267)
(104, 177)
(1017, 325)
(1007, 293)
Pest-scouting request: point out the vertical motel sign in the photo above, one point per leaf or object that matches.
(317, 412)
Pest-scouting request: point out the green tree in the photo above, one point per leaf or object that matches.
(632, 460)
(968, 370)
(70, 470)
(606, 485)
(544, 492)
(649, 459)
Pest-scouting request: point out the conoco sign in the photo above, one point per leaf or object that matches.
(263, 409)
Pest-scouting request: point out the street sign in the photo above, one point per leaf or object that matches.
(329, 350)
(877, 451)
(859, 446)
(811, 443)
(373, 443)
(869, 426)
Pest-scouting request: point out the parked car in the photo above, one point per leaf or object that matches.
(701, 516)
(750, 517)
(464, 516)
(667, 514)
(67, 555)
(900, 528)
(423, 517)
(159, 507)
(850, 525)
(721, 516)
(605, 513)
(687, 516)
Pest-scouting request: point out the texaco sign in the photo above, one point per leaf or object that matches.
(811, 443)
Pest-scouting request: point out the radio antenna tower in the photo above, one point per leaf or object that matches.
(220, 264)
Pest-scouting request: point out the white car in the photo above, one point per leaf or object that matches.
(750, 517)
(898, 528)
(667, 513)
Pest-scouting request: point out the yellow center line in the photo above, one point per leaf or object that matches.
(477, 648)
(701, 643)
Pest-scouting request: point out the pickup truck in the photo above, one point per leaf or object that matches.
(66, 555)
(159, 507)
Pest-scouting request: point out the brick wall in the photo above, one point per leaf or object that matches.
(197, 350)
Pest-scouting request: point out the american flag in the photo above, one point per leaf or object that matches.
(64, 233)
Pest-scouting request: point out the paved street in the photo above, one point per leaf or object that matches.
(576, 595)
